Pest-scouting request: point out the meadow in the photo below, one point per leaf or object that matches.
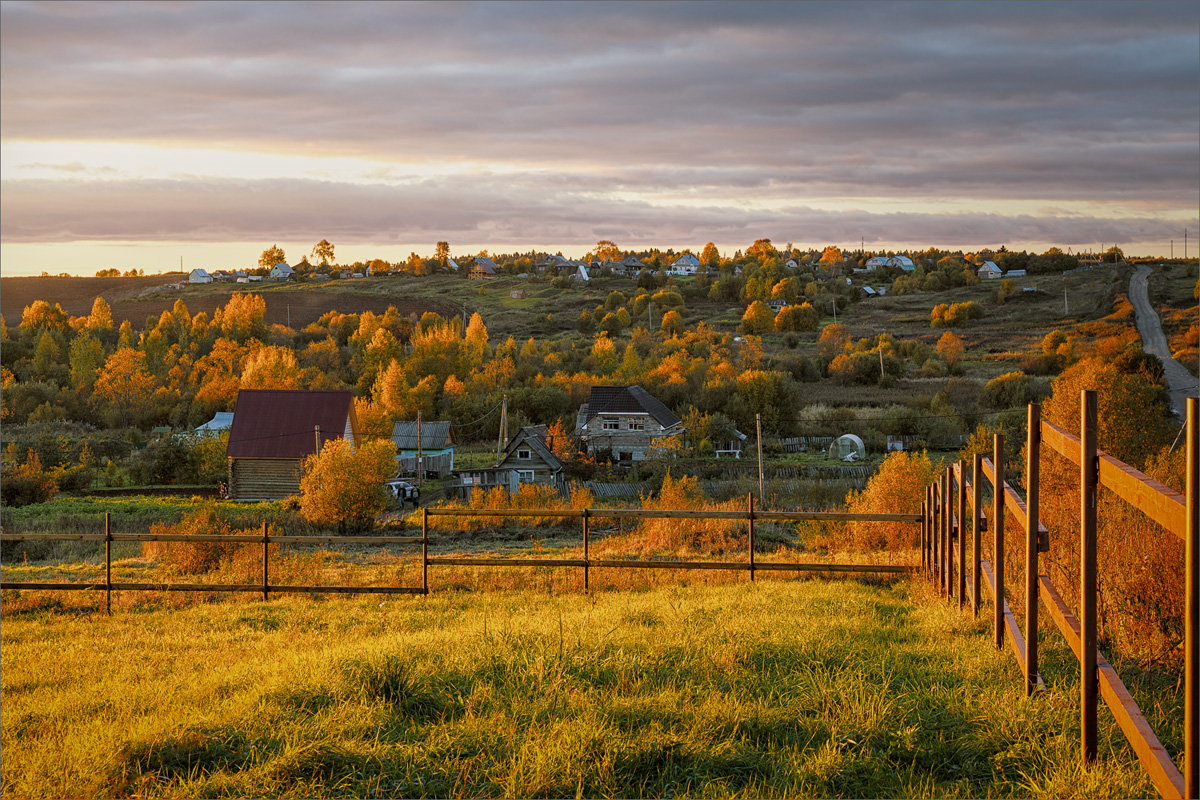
(797, 688)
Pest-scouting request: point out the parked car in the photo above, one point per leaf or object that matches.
(404, 492)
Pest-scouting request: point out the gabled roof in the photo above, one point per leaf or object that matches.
(533, 437)
(686, 260)
(435, 435)
(486, 264)
(199, 273)
(221, 421)
(280, 423)
(628, 400)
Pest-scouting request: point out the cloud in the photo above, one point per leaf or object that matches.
(508, 211)
(662, 104)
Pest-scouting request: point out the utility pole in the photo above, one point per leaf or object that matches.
(420, 472)
(1066, 312)
(758, 430)
(833, 302)
(501, 439)
(881, 361)
(317, 439)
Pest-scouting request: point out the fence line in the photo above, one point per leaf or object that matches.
(942, 530)
(265, 587)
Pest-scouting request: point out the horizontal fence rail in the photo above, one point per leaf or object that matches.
(943, 530)
(584, 516)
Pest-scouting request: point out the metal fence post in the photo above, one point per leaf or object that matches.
(586, 560)
(947, 521)
(1033, 455)
(976, 516)
(998, 533)
(1088, 469)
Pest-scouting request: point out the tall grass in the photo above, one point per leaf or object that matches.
(794, 689)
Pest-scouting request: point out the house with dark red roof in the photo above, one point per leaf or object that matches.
(625, 420)
(274, 430)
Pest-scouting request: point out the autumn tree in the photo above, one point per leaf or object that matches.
(271, 256)
(796, 318)
(606, 251)
(324, 251)
(441, 254)
(758, 318)
(101, 316)
(346, 486)
(897, 488)
(124, 384)
(709, 257)
(951, 348)
(831, 257)
(270, 368)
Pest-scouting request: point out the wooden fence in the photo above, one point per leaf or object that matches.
(946, 521)
(585, 516)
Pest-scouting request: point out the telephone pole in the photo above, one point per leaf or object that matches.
(502, 438)
(420, 471)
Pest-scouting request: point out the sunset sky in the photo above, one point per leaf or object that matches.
(136, 135)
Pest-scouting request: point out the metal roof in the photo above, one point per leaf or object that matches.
(281, 423)
(629, 400)
(435, 435)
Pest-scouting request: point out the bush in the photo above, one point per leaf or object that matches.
(796, 318)
(954, 315)
(346, 486)
(197, 558)
(1012, 390)
(27, 484)
(897, 488)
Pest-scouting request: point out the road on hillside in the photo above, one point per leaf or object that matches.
(1182, 384)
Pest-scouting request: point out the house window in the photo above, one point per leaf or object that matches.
(624, 456)
(524, 476)
(637, 425)
(612, 425)
(524, 455)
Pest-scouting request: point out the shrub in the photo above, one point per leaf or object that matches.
(28, 483)
(897, 488)
(758, 318)
(1011, 390)
(954, 315)
(796, 318)
(346, 486)
(196, 558)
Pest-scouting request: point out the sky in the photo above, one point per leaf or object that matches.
(149, 135)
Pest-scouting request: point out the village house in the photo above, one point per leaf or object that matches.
(221, 422)
(686, 264)
(988, 271)
(527, 460)
(435, 447)
(483, 267)
(624, 420)
(199, 276)
(282, 271)
(274, 430)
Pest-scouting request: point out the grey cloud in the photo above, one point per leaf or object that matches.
(504, 210)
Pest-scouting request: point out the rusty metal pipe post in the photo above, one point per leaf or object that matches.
(962, 533)
(107, 564)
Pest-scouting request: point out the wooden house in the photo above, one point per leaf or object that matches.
(527, 459)
(274, 430)
(199, 276)
(483, 267)
(988, 271)
(281, 272)
(435, 446)
(624, 420)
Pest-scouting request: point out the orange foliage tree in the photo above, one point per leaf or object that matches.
(898, 487)
(345, 485)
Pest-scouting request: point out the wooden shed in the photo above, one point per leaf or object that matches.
(274, 430)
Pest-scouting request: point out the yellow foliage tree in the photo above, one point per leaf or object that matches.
(345, 485)
(270, 368)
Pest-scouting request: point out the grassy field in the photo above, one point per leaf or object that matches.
(780, 688)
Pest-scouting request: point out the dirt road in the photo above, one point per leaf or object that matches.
(1181, 382)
